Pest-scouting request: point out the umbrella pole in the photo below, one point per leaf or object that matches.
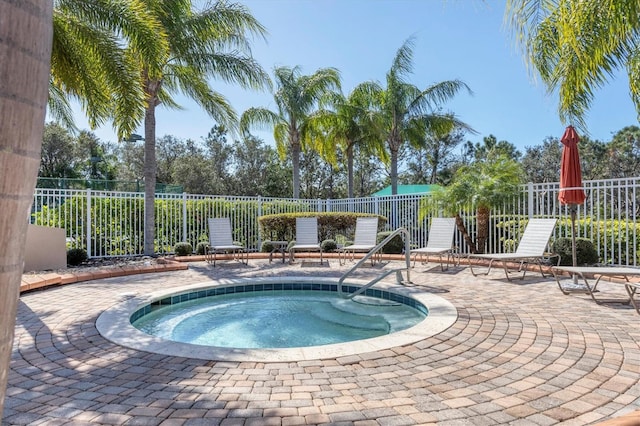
(574, 253)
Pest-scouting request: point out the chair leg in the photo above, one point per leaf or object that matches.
(631, 291)
(520, 269)
(475, 274)
(442, 263)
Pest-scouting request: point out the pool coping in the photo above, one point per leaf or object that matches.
(114, 325)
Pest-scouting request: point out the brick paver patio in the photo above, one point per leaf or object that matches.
(519, 353)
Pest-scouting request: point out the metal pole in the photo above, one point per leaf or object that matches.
(574, 253)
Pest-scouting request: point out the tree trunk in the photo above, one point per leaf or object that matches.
(25, 48)
(350, 169)
(434, 169)
(295, 160)
(150, 179)
(394, 171)
(465, 234)
(483, 228)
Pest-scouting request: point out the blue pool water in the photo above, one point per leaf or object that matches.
(277, 319)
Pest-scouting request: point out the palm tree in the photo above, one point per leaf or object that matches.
(408, 113)
(347, 125)
(296, 97)
(576, 45)
(485, 184)
(202, 45)
(90, 64)
(25, 48)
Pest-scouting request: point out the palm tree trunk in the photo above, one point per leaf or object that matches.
(394, 171)
(483, 228)
(295, 160)
(350, 169)
(149, 179)
(465, 234)
(25, 48)
(434, 169)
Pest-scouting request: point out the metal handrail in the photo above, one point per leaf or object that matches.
(373, 251)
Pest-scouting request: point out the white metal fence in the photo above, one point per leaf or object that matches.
(112, 223)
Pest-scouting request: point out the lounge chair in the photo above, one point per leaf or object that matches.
(221, 241)
(531, 249)
(440, 241)
(306, 237)
(364, 239)
(589, 272)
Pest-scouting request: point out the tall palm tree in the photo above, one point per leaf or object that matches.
(408, 113)
(25, 49)
(296, 97)
(212, 43)
(576, 45)
(347, 124)
(90, 63)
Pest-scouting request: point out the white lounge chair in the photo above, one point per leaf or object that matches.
(591, 272)
(440, 241)
(221, 241)
(306, 237)
(364, 239)
(531, 249)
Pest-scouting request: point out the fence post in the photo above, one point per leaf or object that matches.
(184, 218)
(258, 223)
(530, 199)
(88, 223)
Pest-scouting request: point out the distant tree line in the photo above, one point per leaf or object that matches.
(217, 166)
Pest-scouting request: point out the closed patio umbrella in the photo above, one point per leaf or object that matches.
(571, 192)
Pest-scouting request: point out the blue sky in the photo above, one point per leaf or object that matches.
(454, 39)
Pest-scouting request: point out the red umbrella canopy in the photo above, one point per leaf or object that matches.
(570, 172)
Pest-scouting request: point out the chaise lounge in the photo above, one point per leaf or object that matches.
(440, 241)
(531, 249)
(221, 242)
(306, 237)
(597, 273)
(364, 240)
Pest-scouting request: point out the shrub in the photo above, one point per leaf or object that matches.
(201, 248)
(329, 246)
(282, 226)
(76, 256)
(586, 253)
(267, 247)
(395, 246)
(183, 249)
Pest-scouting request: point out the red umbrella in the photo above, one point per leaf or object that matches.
(571, 192)
(570, 171)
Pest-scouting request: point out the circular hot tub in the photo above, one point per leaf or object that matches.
(275, 319)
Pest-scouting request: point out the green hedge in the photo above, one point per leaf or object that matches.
(614, 240)
(586, 253)
(282, 227)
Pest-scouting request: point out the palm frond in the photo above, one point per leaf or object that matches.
(59, 108)
(260, 118)
(403, 61)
